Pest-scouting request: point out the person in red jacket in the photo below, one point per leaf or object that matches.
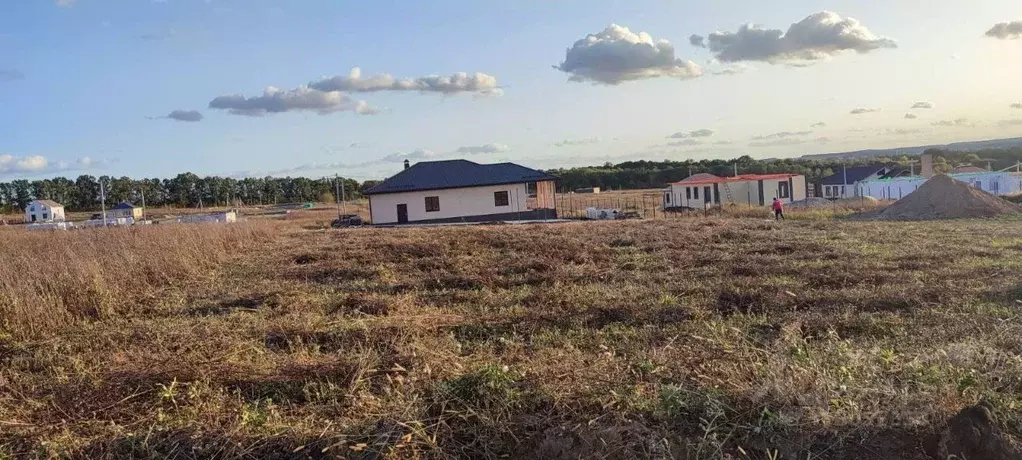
(778, 209)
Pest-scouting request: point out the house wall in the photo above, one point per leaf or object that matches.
(454, 203)
(741, 192)
(134, 213)
(37, 209)
(997, 183)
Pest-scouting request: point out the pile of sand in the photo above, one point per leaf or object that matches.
(814, 202)
(945, 198)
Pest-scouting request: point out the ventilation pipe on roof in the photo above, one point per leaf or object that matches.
(406, 164)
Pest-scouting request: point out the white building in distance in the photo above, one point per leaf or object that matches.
(39, 211)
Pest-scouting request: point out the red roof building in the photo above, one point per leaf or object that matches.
(745, 189)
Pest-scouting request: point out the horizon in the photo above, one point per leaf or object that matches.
(153, 89)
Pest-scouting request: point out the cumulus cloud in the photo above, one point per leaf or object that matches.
(303, 98)
(37, 164)
(861, 110)
(184, 115)
(485, 148)
(697, 40)
(66, 3)
(922, 105)
(1017, 105)
(420, 154)
(818, 125)
(955, 122)
(617, 55)
(684, 143)
(817, 37)
(11, 75)
(697, 133)
(910, 116)
(573, 142)
(722, 143)
(458, 83)
(782, 135)
(1006, 30)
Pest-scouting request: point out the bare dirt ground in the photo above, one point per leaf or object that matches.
(703, 338)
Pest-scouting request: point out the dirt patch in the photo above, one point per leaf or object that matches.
(944, 198)
(975, 434)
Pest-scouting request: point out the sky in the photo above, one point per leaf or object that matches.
(153, 88)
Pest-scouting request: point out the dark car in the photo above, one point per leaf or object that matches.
(348, 220)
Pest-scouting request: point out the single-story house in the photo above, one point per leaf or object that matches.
(462, 191)
(125, 209)
(968, 169)
(44, 211)
(842, 184)
(747, 189)
(896, 188)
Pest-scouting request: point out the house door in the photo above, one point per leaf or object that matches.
(33, 217)
(402, 213)
(761, 198)
(707, 197)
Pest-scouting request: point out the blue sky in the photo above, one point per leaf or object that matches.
(84, 83)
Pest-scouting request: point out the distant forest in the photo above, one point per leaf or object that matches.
(190, 190)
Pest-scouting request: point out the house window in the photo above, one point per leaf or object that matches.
(688, 193)
(667, 198)
(696, 194)
(500, 198)
(44, 216)
(782, 190)
(979, 185)
(843, 191)
(31, 209)
(826, 190)
(432, 204)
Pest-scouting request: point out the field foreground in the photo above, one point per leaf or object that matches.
(686, 339)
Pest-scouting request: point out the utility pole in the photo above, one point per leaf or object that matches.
(844, 180)
(143, 203)
(736, 169)
(102, 201)
(337, 196)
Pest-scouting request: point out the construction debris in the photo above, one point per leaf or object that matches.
(944, 198)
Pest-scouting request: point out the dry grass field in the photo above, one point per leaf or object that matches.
(701, 338)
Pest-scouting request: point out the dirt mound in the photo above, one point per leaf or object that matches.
(975, 434)
(945, 198)
(815, 202)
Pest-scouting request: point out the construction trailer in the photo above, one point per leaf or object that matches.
(229, 217)
(748, 189)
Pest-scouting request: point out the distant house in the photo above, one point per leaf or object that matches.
(968, 170)
(44, 211)
(125, 209)
(748, 189)
(844, 182)
(895, 188)
(462, 191)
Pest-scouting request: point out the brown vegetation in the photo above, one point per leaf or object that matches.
(692, 338)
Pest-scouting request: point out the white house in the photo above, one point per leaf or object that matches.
(994, 182)
(845, 182)
(462, 191)
(708, 191)
(44, 211)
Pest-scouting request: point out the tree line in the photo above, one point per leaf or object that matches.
(655, 174)
(190, 190)
(184, 190)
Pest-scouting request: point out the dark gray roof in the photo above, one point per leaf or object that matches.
(434, 175)
(855, 174)
(124, 205)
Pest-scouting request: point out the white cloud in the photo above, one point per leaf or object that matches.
(617, 55)
(697, 133)
(861, 110)
(570, 142)
(910, 116)
(782, 135)
(1006, 30)
(36, 164)
(458, 83)
(184, 115)
(817, 37)
(420, 154)
(66, 3)
(818, 125)
(1017, 105)
(922, 105)
(485, 148)
(303, 98)
(686, 142)
(956, 122)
